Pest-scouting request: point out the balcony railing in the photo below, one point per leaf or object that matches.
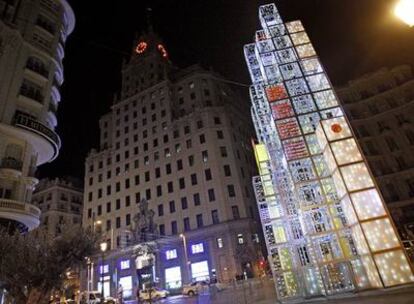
(27, 122)
(46, 26)
(19, 206)
(39, 69)
(31, 93)
(11, 163)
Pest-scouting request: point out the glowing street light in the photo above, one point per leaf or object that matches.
(404, 10)
(187, 264)
(103, 246)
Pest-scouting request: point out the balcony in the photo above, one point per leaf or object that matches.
(38, 135)
(38, 69)
(45, 25)
(11, 163)
(26, 215)
(31, 93)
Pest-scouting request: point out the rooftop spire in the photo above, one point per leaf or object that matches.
(149, 20)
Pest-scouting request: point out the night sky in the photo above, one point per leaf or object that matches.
(352, 37)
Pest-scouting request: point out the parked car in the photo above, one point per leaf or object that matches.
(153, 293)
(90, 297)
(94, 298)
(194, 288)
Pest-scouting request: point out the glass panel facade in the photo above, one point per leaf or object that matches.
(326, 227)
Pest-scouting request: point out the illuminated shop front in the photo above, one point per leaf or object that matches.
(200, 271)
(326, 225)
(173, 279)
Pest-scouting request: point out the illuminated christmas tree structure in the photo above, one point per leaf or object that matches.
(326, 226)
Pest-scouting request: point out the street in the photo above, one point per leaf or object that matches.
(258, 292)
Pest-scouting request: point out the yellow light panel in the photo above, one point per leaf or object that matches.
(394, 268)
(380, 234)
(357, 177)
(346, 151)
(368, 204)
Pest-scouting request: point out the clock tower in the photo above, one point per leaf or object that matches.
(148, 64)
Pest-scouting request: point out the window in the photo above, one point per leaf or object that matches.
(157, 172)
(227, 171)
(223, 151)
(168, 168)
(167, 152)
(199, 124)
(147, 176)
(193, 179)
(211, 195)
(197, 248)
(187, 224)
(136, 179)
(184, 204)
(230, 189)
(125, 264)
(235, 212)
(240, 239)
(108, 207)
(202, 139)
(162, 229)
(191, 160)
(127, 201)
(172, 206)
(118, 222)
(170, 187)
(159, 190)
(171, 254)
(217, 121)
(148, 194)
(104, 268)
(215, 217)
(174, 227)
(160, 210)
(188, 143)
(186, 129)
(128, 219)
(207, 173)
(181, 183)
(118, 204)
(204, 155)
(99, 210)
(220, 134)
(196, 198)
(219, 243)
(179, 164)
(199, 218)
(108, 225)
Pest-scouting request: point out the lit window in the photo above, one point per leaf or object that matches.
(240, 238)
(104, 268)
(220, 243)
(197, 248)
(125, 264)
(171, 254)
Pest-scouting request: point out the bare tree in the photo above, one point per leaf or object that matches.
(32, 265)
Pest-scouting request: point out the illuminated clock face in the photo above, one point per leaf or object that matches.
(162, 50)
(141, 47)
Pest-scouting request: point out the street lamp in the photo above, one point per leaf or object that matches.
(103, 247)
(404, 10)
(187, 263)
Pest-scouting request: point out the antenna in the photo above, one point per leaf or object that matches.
(149, 19)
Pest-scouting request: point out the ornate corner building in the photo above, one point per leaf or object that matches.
(326, 225)
(32, 40)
